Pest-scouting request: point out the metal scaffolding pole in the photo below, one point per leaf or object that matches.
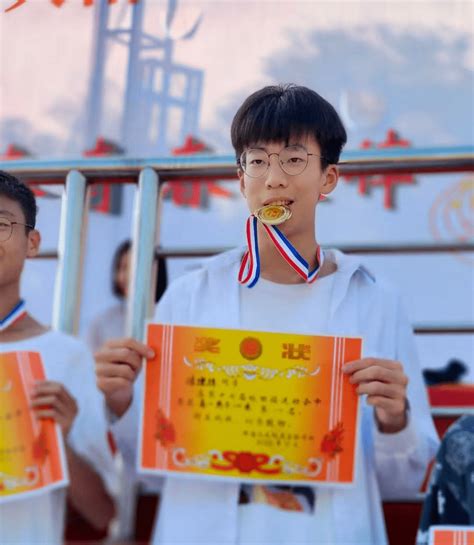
(140, 302)
(67, 297)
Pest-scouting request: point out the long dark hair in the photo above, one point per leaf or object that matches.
(161, 272)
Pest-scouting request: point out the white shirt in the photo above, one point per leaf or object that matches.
(267, 307)
(196, 511)
(109, 324)
(40, 519)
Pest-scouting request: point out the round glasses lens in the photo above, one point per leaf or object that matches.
(254, 162)
(293, 160)
(5, 229)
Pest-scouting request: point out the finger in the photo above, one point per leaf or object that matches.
(51, 402)
(110, 370)
(378, 373)
(111, 385)
(390, 405)
(49, 387)
(375, 388)
(132, 344)
(120, 356)
(51, 414)
(364, 363)
(46, 413)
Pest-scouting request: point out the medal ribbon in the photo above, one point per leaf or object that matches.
(17, 313)
(250, 266)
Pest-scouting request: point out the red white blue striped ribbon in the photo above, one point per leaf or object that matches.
(18, 312)
(250, 266)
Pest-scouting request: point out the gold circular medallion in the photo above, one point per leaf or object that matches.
(273, 214)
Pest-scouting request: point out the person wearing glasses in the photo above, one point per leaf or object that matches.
(287, 141)
(68, 395)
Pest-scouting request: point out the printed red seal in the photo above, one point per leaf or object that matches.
(164, 431)
(332, 441)
(251, 348)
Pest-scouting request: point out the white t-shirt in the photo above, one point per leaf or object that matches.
(40, 519)
(267, 305)
(261, 310)
(109, 324)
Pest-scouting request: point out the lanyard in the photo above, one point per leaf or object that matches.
(250, 266)
(17, 313)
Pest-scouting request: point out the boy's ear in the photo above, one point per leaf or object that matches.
(34, 241)
(240, 175)
(331, 177)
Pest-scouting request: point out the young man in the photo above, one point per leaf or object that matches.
(68, 395)
(287, 141)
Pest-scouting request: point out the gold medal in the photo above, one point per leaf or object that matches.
(273, 214)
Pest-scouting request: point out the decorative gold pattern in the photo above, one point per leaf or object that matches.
(277, 463)
(250, 371)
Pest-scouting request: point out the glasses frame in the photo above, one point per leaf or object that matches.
(12, 223)
(241, 164)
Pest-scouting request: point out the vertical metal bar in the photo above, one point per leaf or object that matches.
(129, 130)
(67, 296)
(143, 247)
(96, 82)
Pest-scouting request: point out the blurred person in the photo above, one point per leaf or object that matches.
(450, 496)
(68, 395)
(110, 324)
(287, 141)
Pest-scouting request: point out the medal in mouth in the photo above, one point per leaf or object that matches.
(273, 214)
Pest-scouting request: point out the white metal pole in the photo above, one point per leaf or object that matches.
(143, 248)
(67, 297)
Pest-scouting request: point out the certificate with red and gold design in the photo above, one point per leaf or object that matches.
(247, 405)
(451, 535)
(31, 451)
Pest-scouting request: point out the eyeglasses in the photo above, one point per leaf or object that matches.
(292, 159)
(6, 228)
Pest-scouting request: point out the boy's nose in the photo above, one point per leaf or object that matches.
(275, 176)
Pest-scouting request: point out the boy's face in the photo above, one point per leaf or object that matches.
(301, 192)
(19, 245)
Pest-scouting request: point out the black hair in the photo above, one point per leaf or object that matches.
(15, 190)
(277, 113)
(161, 278)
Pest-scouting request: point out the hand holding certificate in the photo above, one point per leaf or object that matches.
(31, 450)
(249, 406)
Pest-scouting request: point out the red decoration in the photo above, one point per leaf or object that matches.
(103, 148)
(106, 198)
(251, 348)
(387, 181)
(245, 462)
(59, 3)
(191, 192)
(165, 432)
(40, 447)
(332, 441)
(14, 151)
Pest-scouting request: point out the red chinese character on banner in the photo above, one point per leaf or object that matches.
(387, 181)
(191, 192)
(14, 152)
(106, 198)
(59, 3)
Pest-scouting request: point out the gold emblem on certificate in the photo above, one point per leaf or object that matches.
(273, 214)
